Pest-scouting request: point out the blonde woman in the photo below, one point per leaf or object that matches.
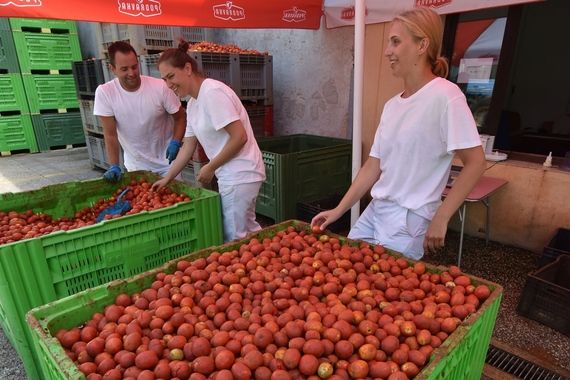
(420, 132)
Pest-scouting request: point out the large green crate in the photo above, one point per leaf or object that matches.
(46, 51)
(58, 129)
(461, 356)
(12, 94)
(37, 271)
(17, 133)
(5, 24)
(301, 168)
(48, 92)
(8, 57)
(43, 25)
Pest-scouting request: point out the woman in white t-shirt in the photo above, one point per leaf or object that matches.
(218, 120)
(420, 131)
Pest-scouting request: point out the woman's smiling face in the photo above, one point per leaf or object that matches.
(403, 50)
(176, 79)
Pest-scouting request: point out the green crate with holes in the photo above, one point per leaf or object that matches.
(49, 92)
(461, 356)
(40, 25)
(17, 133)
(301, 168)
(8, 57)
(36, 271)
(46, 51)
(12, 94)
(58, 129)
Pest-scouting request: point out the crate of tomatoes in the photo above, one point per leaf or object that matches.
(248, 72)
(51, 245)
(287, 302)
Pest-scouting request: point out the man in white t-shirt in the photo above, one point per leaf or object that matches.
(141, 114)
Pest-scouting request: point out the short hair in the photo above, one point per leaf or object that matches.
(119, 46)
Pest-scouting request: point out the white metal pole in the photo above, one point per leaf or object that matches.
(359, 22)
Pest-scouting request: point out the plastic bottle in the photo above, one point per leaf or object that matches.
(548, 162)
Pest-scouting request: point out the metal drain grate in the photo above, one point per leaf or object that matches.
(519, 367)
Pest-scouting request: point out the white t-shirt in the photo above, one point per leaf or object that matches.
(144, 124)
(415, 143)
(217, 106)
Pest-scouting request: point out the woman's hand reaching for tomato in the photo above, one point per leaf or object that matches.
(323, 219)
(159, 184)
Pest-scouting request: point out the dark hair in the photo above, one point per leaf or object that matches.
(179, 57)
(123, 47)
(425, 23)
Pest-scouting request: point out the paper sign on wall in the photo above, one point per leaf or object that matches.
(475, 70)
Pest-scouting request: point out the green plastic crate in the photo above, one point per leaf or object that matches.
(5, 24)
(58, 129)
(48, 92)
(301, 168)
(17, 133)
(43, 51)
(12, 94)
(43, 25)
(36, 271)
(8, 57)
(462, 355)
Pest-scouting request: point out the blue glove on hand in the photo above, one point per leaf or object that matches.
(172, 150)
(114, 174)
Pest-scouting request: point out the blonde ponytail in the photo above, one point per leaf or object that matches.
(440, 67)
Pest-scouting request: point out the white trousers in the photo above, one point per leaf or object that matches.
(393, 226)
(238, 209)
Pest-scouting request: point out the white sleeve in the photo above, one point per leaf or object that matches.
(459, 126)
(189, 131)
(375, 149)
(220, 108)
(102, 105)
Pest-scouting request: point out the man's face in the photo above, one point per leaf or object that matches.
(127, 70)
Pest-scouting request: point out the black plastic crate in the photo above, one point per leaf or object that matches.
(307, 210)
(261, 119)
(88, 75)
(546, 295)
(559, 245)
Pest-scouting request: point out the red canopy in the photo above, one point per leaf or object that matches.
(290, 14)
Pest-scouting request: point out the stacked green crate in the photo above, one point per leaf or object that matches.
(16, 131)
(46, 50)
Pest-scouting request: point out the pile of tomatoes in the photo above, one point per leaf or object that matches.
(16, 226)
(298, 305)
(211, 47)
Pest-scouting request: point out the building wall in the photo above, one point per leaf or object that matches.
(528, 210)
(88, 38)
(312, 76)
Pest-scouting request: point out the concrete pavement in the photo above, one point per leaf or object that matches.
(24, 172)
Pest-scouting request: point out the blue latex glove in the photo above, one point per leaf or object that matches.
(114, 174)
(172, 150)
